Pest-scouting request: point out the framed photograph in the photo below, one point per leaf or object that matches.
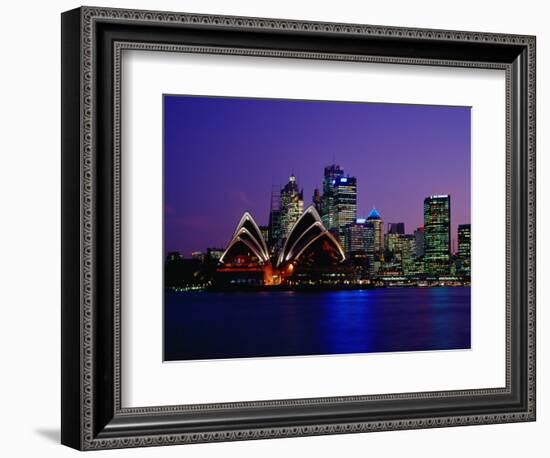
(276, 228)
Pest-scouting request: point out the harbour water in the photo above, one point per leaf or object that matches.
(213, 325)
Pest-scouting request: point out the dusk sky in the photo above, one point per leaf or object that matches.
(224, 155)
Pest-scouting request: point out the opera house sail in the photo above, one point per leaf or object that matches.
(310, 255)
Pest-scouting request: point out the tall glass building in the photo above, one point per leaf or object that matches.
(408, 254)
(375, 241)
(274, 236)
(437, 234)
(339, 201)
(333, 173)
(346, 204)
(292, 206)
(355, 235)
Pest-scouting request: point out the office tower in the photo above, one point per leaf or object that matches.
(401, 251)
(419, 241)
(375, 238)
(396, 228)
(464, 245)
(375, 241)
(292, 205)
(274, 236)
(339, 201)
(437, 234)
(346, 204)
(408, 254)
(355, 237)
(333, 173)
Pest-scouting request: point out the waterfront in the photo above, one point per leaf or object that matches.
(214, 325)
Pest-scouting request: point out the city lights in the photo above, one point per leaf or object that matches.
(328, 245)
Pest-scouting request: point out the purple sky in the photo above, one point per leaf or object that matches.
(222, 156)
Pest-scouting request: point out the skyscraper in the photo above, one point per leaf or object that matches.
(464, 245)
(339, 201)
(419, 241)
(401, 251)
(355, 237)
(375, 241)
(333, 173)
(408, 254)
(274, 238)
(292, 205)
(437, 234)
(346, 204)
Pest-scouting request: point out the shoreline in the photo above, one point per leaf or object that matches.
(302, 288)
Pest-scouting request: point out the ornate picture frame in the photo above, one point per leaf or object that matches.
(93, 416)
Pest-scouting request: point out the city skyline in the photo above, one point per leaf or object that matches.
(201, 204)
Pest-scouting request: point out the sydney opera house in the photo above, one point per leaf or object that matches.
(310, 255)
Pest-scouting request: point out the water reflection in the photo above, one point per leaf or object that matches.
(204, 325)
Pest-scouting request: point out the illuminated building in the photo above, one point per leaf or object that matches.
(292, 206)
(401, 250)
(437, 234)
(214, 254)
(247, 243)
(328, 205)
(419, 241)
(393, 242)
(307, 233)
(310, 253)
(464, 240)
(464, 245)
(346, 204)
(355, 236)
(274, 237)
(246, 259)
(375, 241)
(375, 234)
(339, 200)
(408, 254)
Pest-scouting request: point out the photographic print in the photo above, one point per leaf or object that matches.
(308, 227)
(295, 257)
